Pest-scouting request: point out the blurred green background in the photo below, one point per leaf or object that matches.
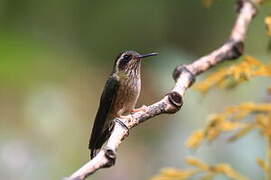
(56, 55)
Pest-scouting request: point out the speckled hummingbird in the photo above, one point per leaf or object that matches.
(119, 97)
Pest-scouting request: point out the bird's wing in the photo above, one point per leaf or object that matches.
(100, 133)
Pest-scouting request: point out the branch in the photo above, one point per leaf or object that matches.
(184, 76)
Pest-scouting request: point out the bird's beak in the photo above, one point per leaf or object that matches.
(147, 55)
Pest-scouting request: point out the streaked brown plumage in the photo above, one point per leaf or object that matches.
(119, 97)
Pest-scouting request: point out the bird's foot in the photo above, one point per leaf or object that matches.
(123, 125)
(142, 108)
(111, 156)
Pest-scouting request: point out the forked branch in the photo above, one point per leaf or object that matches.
(184, 76)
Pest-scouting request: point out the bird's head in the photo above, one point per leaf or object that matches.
(129, 61)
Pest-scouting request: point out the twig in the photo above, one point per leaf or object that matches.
(184, 75)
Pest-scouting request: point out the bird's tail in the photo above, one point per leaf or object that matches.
(96, 143)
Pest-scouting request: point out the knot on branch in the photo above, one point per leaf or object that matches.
(176, 100)
(183, 69)
(239, 5)
(111, 157)
(237, 49)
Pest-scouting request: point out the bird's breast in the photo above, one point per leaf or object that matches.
(127, 95)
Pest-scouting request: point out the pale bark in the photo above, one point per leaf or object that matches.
(184, 75)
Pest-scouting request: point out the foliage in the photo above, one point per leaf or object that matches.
(228, 121)
(206, 171)
(230, 76)
(231, 120)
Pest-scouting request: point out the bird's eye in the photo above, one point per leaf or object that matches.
(127, 57)
(124, 61)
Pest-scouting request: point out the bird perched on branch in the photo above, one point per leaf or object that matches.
(119, 97)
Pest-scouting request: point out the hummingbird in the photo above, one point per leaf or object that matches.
(119, 97)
